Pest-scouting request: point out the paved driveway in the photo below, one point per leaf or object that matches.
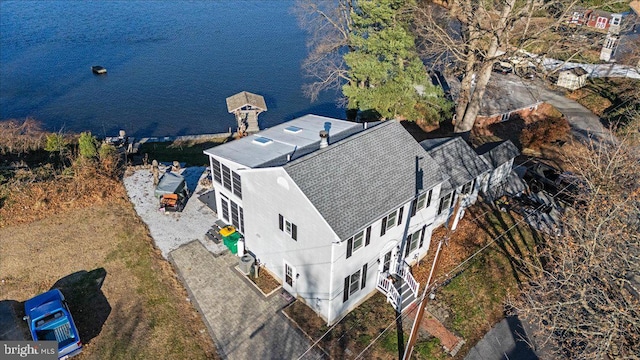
(243, 323)
(507, 340)
(584, 124)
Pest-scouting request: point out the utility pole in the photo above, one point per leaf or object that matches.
(400, 263)
(413, 335)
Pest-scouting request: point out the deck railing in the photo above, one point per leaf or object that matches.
(386, 287)
(405, 274)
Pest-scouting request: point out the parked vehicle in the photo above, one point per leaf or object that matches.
(49, 318)
(561, 184)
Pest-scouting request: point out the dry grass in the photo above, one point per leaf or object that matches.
(139, 312)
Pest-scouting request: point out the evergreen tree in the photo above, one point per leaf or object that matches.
(386, 75)
(88, 145)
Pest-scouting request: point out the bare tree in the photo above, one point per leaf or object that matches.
(585, 301)
(467, 37)
(329, 25)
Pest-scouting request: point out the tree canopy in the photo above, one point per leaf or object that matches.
(385, 72)
(366, 49)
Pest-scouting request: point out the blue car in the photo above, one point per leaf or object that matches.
(49, 318)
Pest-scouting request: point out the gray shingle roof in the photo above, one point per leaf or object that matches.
(498, 153)
(456, 158)
(358, 180)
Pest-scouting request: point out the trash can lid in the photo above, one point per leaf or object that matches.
(227, 230)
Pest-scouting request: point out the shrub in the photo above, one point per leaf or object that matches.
(87, 145)
(544, 131)
(56, 143)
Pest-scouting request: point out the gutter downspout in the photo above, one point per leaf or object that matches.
(331, 298)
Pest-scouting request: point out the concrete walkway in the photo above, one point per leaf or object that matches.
(243, 323)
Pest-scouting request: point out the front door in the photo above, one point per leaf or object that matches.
(386, 263)
(289, 278)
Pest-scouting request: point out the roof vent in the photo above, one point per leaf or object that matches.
(261, 140)
(323, 139)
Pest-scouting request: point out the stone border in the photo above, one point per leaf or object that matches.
(237, 268)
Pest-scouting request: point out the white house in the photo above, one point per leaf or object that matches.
(337, 210)
(500, 156)
(465, 170)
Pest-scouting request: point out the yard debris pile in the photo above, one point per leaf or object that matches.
(171, 230)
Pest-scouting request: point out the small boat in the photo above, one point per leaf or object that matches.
(98, 70)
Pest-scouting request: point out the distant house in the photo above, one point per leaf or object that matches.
(596, 19)
(573, 78)
(505, 97)
(337, 210)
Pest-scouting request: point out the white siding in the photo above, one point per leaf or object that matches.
(375, 251)
(268, 193)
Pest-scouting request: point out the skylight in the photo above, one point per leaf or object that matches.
(293, 129)
(261, 140)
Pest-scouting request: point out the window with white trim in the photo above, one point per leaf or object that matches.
(215, 169)
(354, 282)
(224, 204)
(391, 220)
(445, 203)
(226, 177)
(358, 241)
(237, 216)
(468, 187)
(237, 184)
(414, 241)
(421, 202)
(288, 227)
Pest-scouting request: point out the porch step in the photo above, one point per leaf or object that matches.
(407, 295)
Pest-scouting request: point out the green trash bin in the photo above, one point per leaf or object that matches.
(231, 242)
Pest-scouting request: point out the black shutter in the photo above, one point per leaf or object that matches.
(400, 215)
(281, 222)
(349, 247)
(364, 276)
(367, 238)
(414, 205)
(424, 229)
(429, 198)
(345, 292)
(294, 232)
(383, 229)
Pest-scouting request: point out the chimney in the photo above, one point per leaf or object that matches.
(323, 139)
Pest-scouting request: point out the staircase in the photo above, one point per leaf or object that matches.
(400, 293)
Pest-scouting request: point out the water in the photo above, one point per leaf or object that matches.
(171, 64)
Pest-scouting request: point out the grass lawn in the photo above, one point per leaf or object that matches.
(125, 298)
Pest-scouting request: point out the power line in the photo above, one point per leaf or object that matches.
(468, 259)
